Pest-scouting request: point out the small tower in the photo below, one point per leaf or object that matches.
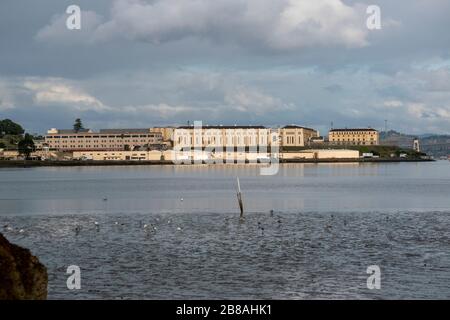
(416, 145)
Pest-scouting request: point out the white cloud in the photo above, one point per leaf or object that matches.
(162, 110)
(393, 103)
(6, 96)
(57, 31)
(252, 100)
(276, 24)
(421, 110)
(52, 91)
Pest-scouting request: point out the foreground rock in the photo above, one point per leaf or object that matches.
(22, 276)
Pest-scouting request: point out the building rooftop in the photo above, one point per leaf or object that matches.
(69, 131)
(223, 127)
(352, 129)
(124, 131)
(101, 131)
(294, 126)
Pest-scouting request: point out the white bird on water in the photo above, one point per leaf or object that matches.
(179, 229)
(181, 199)
(21, 231)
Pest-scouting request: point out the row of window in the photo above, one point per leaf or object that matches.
(353, 133)
(104, 141)
(354, 139)
(212, 140)
(291, 140)
(105, 136)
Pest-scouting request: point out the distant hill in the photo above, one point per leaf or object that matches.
(431, 144)
(436, 145)
(394, 138)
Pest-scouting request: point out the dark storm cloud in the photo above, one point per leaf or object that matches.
(143, 63)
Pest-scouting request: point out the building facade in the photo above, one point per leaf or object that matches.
(354, 137)
(105, 139)
(220, 137)
(297, 136)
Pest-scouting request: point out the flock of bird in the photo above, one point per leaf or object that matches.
(146, 227)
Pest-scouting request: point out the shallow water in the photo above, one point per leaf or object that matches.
(330, 222)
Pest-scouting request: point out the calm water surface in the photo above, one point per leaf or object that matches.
(329, 223)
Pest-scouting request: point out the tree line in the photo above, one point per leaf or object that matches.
(25, 146)
(9, 127)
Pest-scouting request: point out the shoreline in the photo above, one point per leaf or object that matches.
(91, 163)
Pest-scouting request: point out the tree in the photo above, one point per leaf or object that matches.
(9, 127)
(26, 146)
(78, 125)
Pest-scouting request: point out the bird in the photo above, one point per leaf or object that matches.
(105, 199)
(145, 226)
(116, 223)
(181, 199)
(179, 229)
(21, 231)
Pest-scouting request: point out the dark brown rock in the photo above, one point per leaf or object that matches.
(22, 276)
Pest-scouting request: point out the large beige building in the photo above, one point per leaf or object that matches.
(296, 136)
(355, 137)
(166, 132)
(105, 139)
(184, 137)
(221, 137)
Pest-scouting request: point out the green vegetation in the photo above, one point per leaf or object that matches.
(387, 151)
(78, 125)
(8, 127)
(26, 146)
(10, 134)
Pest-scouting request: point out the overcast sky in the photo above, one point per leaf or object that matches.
(138, 63)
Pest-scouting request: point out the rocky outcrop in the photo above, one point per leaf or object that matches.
(22, 276)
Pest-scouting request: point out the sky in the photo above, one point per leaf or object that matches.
(144, 63)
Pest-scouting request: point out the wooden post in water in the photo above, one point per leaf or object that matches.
(239, 197)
